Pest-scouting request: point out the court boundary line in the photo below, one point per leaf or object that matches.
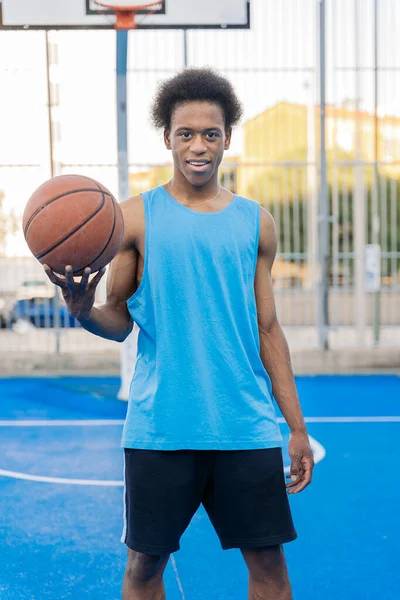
(101, 422)
(60, 480)
(177, 577)
(59, 422)
(318, 449)
(353, 419)
(377, 419)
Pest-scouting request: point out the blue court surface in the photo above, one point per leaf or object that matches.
(61, 497)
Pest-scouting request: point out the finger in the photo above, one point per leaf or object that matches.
(300, 485)
(84, 279)
(293, 485)
(53, 277)
(294, 481)
(308, 470)
(96, 279)
(296, 472)
(296, 467)
(308, 463)
(292, 477)
(69, 278)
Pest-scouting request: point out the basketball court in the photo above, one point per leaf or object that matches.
(61, 488)
(61, 496)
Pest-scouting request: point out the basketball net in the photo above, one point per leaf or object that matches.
(126, 14)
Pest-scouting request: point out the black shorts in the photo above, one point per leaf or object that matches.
(243, 492)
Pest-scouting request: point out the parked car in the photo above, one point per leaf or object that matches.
(41, 312)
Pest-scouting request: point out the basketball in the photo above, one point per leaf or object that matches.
(73, 220)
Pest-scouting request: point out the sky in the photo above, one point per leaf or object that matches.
(276, 60)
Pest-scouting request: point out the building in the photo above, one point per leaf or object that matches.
(283, 141)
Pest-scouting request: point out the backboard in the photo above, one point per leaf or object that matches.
(84, 14)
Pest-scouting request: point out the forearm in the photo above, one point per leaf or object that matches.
(275, 356)
(108, 322)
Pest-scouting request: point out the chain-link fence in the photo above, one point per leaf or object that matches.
(275, 156)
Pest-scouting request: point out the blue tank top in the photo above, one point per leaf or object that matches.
(199, 382)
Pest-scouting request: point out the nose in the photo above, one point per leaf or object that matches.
(198, 146)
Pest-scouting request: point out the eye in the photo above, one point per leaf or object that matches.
(185, 135)
(212, 135)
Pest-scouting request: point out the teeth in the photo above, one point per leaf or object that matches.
(198, 164)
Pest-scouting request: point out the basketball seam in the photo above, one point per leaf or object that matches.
(38, 210)
(95, 183)
(108, 241)
(70, 233)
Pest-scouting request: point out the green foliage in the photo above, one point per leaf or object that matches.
(283, 191)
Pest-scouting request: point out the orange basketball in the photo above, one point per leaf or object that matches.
(73, 220)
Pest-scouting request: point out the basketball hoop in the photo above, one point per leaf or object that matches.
(126, 14)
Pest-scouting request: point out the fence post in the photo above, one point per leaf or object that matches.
(128, 348)
(323, 213)
(358, 200)
(375, 191)
(55, 169)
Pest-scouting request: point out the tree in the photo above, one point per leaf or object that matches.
(8, 224)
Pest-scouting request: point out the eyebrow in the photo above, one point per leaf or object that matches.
(183, 128)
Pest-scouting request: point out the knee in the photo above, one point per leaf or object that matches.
(142, 568)
(266, 563)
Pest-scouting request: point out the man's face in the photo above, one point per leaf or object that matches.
(197, 138)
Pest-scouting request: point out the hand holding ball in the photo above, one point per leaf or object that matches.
(73, 220)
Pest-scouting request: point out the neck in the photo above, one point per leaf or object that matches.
(187, 192)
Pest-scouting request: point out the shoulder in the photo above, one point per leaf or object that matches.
(134, 204)
(267, 242)
(248, 203)
(267, 223)
(267, 237)
(133, 214)
(134, 207)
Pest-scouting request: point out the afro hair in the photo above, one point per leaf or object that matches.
(193, 84)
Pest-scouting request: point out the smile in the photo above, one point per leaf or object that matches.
(198, 163)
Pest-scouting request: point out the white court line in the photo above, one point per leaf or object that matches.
(178, 579)
(60, 423)
(348, 420)
(100, 422)
(42, 478)
(317, 448)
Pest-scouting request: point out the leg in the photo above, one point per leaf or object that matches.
(163, 490)
(268, 576)
(143, 579)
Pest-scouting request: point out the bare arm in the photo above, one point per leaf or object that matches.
(112, 319)
(275, 356)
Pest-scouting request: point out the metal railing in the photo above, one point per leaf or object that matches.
(275, 156)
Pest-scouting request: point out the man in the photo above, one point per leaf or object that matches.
(194, 273)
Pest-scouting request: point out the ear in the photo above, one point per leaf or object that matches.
(228, 136)
(167, 139)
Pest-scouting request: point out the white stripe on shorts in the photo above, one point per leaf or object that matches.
(123, 536)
